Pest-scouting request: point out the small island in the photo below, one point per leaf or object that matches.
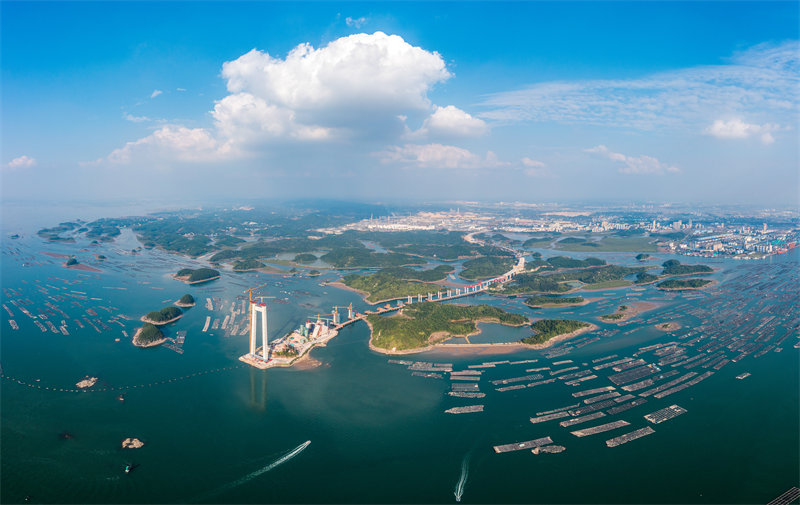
(74, 264)
(674, 267)
(680, 284)
(247, 265)
(87, 382)
(548, 301)
(164, 316)
(550, 331)
(132, 443)
(186, 300)
(148, 336)
(194, 276)
(419, 326)
(642, 257)
(314, 273)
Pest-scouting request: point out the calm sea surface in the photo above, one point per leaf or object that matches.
(213, 428)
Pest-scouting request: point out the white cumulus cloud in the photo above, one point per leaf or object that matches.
(634, 164)
(169, 143)
(451, 121)
(358, 82)
(21, 162)
(440, 156)
(738, 129)
(357, 88)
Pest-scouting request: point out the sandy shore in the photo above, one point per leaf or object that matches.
(151, 344)
(712, 283)
(144, 319)
(585, 301)
(633, 309)
(184, 305)
(81, 266)
(562, 337)
(185, 279)
(489, 348)
(668, 326)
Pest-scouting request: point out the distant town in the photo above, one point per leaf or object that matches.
(703, 234)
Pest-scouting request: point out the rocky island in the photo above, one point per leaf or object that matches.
(194, 276)
(148, 336)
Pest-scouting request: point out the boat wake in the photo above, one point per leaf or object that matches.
(250, 476)
(462, 480)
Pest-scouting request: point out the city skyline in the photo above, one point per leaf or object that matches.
(534, 101)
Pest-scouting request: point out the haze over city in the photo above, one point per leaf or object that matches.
(532, 101)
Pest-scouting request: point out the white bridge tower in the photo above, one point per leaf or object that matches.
(258, 310)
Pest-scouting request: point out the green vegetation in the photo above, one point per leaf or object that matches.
(248, 264)
(532, 283)
(606, 285)
(53, 234)
(101, 257)
(410, 274)
(228, 241)
(486, 267)
(314, 273)
(674, 267)
(645, 278)
(612, 317)
(447, 246)
(289, 352)
(642, 256)
(305, 258)
(538, 265)
(186, 299)
(548, 328)
(197, 275)
(683, 283)
(166, 314)
(608, 244)
(596, 275)
(540, 240)
(352, 257)
(389, 284)
(71, 261)
(566, 262)
(420, 321)
(149, 334)
(539, 301)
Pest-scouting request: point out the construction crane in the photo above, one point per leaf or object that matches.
(263, 297)
(349, 311)
(250, 291)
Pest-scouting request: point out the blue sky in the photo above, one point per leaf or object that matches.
(532, 101)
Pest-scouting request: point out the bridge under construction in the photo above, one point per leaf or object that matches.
(319, 329)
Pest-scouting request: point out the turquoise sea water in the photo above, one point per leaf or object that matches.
(377, 432)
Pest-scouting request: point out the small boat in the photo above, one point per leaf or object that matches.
(128, 468)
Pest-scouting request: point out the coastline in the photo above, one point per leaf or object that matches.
(712, 283)
(185, 279)
(585, 301)
(633, 310)
(144, 319)
(81, 266)
(184, 305)
(499, 347)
